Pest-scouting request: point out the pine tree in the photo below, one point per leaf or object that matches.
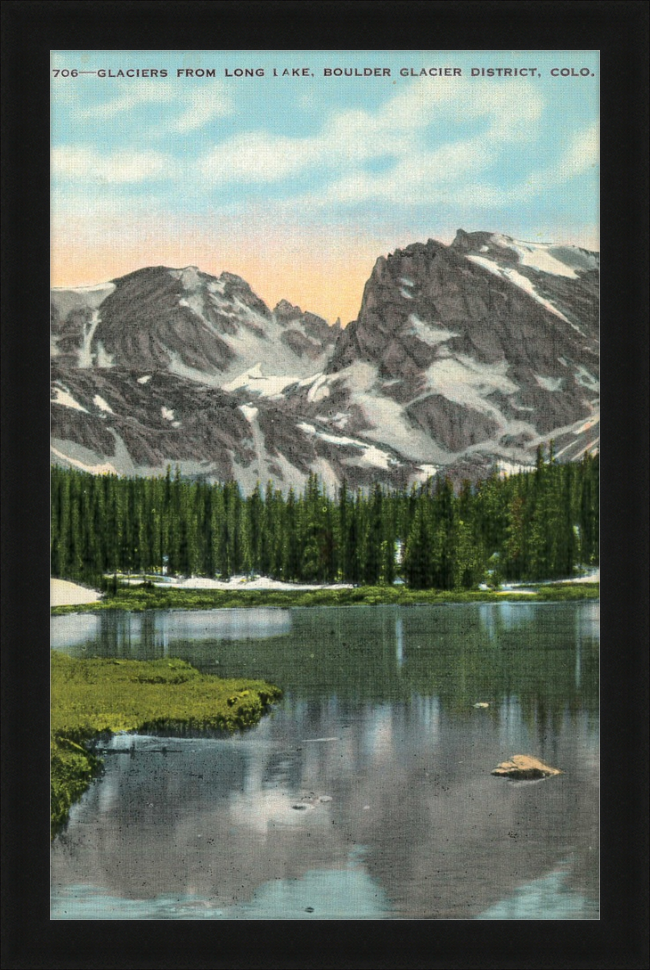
(417, 557)
(373, 539)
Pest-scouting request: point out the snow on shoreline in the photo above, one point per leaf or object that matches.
(242, 583)
(591, 577)
(64, 593)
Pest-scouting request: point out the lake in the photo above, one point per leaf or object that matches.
(367, 793)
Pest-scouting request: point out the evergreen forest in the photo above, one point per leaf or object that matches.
(535, 525)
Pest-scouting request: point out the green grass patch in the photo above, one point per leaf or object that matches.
(97, 697)
(148, 597)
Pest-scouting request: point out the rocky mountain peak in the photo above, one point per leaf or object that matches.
(462, 356)
(286, 312)
(466, 242)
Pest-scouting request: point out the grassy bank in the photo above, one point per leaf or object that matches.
(98, 697)
(147, 597)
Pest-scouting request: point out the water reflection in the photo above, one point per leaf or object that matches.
(319, 894)
(399, 640)
(368, 792)
(150, 634)
(547, 898)
(546, 655)
(76, 630)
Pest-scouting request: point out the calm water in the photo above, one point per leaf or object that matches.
(367, 794)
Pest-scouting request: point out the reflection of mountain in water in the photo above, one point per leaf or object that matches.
(378, 744)
(403, 784)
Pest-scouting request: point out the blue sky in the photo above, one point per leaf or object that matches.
(299, 183)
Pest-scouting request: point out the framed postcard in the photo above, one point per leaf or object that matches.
(283, 374)
(325, 501)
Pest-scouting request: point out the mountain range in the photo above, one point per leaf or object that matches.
(463, 358)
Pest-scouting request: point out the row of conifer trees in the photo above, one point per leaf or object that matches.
(541, 524)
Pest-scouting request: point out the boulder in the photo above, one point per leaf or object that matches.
(524, 767)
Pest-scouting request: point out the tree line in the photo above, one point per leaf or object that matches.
(534, 525)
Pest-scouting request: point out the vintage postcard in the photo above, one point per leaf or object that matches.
(325, 493)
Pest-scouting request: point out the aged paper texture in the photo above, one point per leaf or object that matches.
(325, 437)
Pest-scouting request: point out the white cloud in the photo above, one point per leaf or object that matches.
(259, 157)
(203, 105)
(430, 142)
(81, 163)
(199, 104)
(402, 133)
(130, 97)
(583, 153)
(580, 156)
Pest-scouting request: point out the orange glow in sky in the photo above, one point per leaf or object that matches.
(325, 278)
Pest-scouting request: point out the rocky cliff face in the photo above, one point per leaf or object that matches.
(464, 357)
(488, 346)
(185, 322)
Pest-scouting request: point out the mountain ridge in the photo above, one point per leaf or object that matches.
(463, 357)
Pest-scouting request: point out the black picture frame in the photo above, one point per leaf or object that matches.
(30, 30)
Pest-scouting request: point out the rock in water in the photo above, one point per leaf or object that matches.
(524, 767)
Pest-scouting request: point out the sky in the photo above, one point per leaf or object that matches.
(298, 183)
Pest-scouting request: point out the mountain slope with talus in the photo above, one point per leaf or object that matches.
(486, 347)
(463, 358)
(185, 322)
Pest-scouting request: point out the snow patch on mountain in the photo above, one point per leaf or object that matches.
(376, 458)
(193, 302)
(468, 382)
(338, 420)
(85, 353)
(67, 400)
(190, 277)
(512, 468)
(590, 447)
(547, 257)
(217, 286)
(103, 405)
(549, 383)
(102, 358)
(428, 333)
(102, 469)
(369, 455)
(586, 426)
(258, 340)
(319, 388)
(584, 377)
(425, 472)
(255, 381)
(389, 425)
(510, 274)
(249, 412)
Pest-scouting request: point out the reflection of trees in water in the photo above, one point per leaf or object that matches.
(408, 781)
(546, 656)
(396, 688)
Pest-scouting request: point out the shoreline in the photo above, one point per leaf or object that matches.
(64, 592)
(141, 695)
(137, 598)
